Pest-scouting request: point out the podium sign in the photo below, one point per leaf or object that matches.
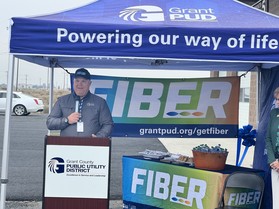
(76, 173)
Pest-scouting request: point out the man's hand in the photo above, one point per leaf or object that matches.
(275, 165)
(74, 117)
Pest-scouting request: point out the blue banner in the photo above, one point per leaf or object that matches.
(189, 108)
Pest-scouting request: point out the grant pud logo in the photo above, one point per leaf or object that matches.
(151, 13)
(143, 13)
(56, 165)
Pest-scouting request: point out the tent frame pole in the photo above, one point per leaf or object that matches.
(50, 101)
(259, 75)
(6, 139)
(51, 75)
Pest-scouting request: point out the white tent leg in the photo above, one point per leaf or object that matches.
(50, 104)
(6, 139)
(51, 75)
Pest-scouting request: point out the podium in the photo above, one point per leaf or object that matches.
(76, 173)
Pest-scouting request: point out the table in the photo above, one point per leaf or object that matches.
(153, 184)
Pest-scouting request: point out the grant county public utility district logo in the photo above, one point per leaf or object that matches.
(76, 167)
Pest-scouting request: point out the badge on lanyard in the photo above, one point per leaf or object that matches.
(80, 126)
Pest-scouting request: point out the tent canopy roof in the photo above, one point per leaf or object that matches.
(203, 35)
(185, 14)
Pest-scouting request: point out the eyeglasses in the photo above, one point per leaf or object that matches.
(277, 99)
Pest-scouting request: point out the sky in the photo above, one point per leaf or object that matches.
(28, 73)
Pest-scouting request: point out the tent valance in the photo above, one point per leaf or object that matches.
(134, 32)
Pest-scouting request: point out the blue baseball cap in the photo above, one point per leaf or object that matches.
(82, 72)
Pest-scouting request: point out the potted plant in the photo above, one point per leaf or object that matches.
(210, 158)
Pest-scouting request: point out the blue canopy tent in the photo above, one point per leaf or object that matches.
(157, 35)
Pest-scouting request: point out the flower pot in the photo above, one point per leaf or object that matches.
(210, 160)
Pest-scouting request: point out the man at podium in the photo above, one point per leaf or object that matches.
(81, 113)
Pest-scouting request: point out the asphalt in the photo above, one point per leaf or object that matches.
(173, 145)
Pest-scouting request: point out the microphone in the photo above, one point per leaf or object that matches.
(77, 104)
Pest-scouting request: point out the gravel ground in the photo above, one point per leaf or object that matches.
(113, 204)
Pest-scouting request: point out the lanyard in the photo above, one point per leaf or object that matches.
(80, 108)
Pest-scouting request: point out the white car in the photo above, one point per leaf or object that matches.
(22, 104)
